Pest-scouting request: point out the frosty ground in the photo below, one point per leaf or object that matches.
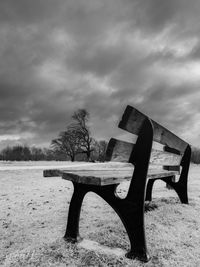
(34, 215)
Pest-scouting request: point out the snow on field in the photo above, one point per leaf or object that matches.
(34, 215)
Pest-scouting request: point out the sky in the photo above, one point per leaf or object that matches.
(101, 55)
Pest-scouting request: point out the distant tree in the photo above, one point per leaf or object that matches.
(81, 129)
(17, 152)
(37, 154)
(26, 153)
(76, 140)
(67, 143)
(49, 154)
(6, 153)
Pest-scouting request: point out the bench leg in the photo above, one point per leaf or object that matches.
(149, 189)
(72, 231)
(137, 191)
(181, 189)
(183, 180)
(181, 186)
(132, 216)
(134, 223)
(131, 209)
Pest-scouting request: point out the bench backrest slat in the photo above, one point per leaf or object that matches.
(132, 121)
(120, 151)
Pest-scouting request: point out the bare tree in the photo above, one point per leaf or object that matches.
(67, 143)
(77, 138)
(82, 131)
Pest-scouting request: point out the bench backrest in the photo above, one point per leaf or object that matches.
(168, 157)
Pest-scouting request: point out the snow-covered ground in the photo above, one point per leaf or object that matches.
(34, 214)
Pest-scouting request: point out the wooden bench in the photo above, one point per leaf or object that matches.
(137, 162)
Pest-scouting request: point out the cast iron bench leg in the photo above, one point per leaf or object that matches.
(132, 216)
(130, 213)
(134, 224)
(72, 231)
(181, 186)
(149, 189)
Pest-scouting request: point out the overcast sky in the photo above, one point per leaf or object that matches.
(58, 56)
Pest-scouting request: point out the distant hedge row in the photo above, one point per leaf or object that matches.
(25, 153)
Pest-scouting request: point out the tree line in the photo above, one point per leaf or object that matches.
(74, 143)
(25, 153)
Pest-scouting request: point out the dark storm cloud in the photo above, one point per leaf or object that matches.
(27, 11)
(100, 60)
(57, 56)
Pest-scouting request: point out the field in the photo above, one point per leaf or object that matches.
(34, 215)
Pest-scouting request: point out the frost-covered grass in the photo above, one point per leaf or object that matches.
(34, 215)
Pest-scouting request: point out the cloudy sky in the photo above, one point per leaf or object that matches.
(58, 56)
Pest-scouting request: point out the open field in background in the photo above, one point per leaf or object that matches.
(34, 214)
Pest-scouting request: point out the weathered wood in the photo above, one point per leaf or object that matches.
(106, 177)
(120, 151)
(132, 121)
(172, 168)
(88, 166)
(164, 158)
(171, 150)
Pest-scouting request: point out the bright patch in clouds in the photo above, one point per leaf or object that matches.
(178, 73)
(53, 73)
(62, 39)
(9, 137)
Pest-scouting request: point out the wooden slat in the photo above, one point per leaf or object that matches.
(88, 166)
(105, 177)
(120, 151)
(171, 150)
(132, 121)
(172, 168)
(164, 158)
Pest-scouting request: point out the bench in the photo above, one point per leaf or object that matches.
(140, 163)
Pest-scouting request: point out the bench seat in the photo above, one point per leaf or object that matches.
(104, 174)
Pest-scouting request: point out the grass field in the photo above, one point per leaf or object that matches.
(34, 215)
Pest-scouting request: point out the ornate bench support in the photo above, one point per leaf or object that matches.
(130, 209)
(181, 186)
(149, 189)
(72, 231)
